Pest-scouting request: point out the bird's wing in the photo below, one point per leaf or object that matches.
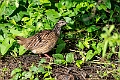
(39, 40)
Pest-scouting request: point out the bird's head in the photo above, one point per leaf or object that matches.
(61, 23)
(58, 26)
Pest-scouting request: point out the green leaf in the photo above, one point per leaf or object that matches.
(89, 55)
(11, 8)
(25, 19)
(15, 71)
(52, 15)
(92, 28)
(23, 73)
(70, 57)
(60, 46)
(97, 19)
(16, 77)
(108, 4)
(44, 1)
(34, 69)
(111, 28)
(86, 42)
(42, 60)
(36, 79)
(46, 74)
(28, 75)
(79, 63)
(22, 50)
(94, 45)
(13, 21)
(17, 3)
(8, 42)
(67, 19)
(41, 69)
(58, 56)
(59, 61)
(103, 7)
(49, 78)
(80, 45)
(16, 32)
(1, 38)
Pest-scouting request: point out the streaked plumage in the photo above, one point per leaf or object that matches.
(43, 41)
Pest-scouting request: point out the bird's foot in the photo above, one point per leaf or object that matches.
(47, 56)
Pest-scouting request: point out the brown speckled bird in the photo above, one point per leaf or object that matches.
(43, 41)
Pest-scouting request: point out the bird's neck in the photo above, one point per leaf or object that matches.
(57, 29)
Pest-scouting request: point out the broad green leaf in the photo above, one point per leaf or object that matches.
(34, 69)
(22, 50)
(79, 63)
(94, 45)
(59, 61)
(97, 19)
(15, 71)
(99, 47)
(52, 15)
(1, 38)
(13, 21)
(25, 19)
(42, 60)
(60, 46)
(70, 57)
(80, 45)
(17, 3)
(92, 28)
(67, 19)
(108, 4)
(16, 32)
(6, 44)
(44, 1)
(46, 74)
(41, 69)
(86, 42)
(89, 55)
(36, 79)
(28, 75)
(58, 56)
(16, 76)
(10, 9)
(103, 7)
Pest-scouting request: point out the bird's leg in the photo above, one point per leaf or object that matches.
(47, 56)
(40, 55)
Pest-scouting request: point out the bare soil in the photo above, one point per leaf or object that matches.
(87, 71)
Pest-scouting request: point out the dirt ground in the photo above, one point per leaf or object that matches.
(60, 72)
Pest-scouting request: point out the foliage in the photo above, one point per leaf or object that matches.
(92, 25)
(33, 73)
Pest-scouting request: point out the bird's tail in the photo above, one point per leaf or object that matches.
(20, 40)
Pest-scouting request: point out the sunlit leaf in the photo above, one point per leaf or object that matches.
(70, 57)
(15, 71)
(22, 50)
(89, 55)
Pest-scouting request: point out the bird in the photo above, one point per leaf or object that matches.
(43, 41)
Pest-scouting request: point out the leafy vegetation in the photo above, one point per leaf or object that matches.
(93, 26)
